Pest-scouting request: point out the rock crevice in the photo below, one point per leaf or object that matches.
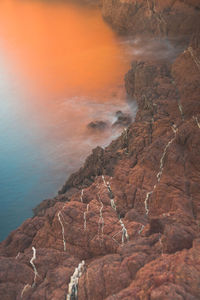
(129, 218)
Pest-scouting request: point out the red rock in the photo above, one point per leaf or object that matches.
(173, 18)
(132, 211)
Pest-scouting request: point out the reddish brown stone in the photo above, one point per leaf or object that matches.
(132, 211)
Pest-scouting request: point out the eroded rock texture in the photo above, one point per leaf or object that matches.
(126, 225)
(174, 18)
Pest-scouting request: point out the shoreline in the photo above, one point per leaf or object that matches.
(133, 208)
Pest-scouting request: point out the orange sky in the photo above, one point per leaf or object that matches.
(57, 47)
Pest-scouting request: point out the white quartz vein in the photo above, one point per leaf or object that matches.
(73, 285)
(33, 265)
(159, 174)
(62, 227)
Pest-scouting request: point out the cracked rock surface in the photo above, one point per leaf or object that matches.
(127, 224)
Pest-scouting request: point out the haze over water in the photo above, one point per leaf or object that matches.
(61, 67)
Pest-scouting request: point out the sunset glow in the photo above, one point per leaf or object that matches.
(59, 47)
(61, 67)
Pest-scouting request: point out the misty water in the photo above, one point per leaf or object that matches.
(61, 67)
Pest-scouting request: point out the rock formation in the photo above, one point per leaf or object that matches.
(174, 18)
(98, 125)
(126, 225)
(123, 119)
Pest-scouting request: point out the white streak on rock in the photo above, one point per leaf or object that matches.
(110, 193)
(125, 133)
(174, 129)
(146, 202)
(63, 229)
(180, 109)
(17, 256)
(124, 232)
(179, 102)
(112, 201)
(113, 205)
(26, 287)
(166, 214)
(73, 285)
(164, 153)
(85, 217)
(195, 59)
(141, 229)
(198, 124)
(33, 265)
(101, 219)
(82, 191)
(103, 178)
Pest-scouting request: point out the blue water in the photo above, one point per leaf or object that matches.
(43, 131)
(28, 169)
(36, 156)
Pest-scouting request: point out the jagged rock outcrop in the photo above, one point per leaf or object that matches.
(172, 18)
(126, 225)
(123, 120)
(98, 125)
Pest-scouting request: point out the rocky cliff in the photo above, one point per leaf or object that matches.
(127, 224)
(174, 18)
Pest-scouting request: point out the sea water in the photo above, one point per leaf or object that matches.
(61, 67)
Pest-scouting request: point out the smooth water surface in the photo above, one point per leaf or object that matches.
(61, 67)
